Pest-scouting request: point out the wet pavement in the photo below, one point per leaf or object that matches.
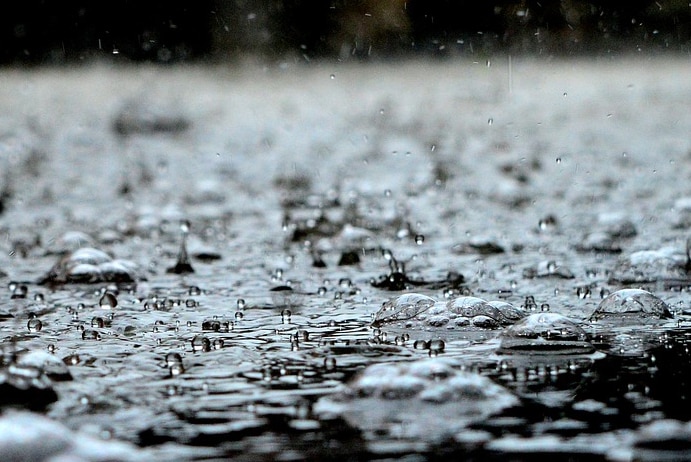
(481, 260)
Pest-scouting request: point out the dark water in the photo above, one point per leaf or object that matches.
(309, 199)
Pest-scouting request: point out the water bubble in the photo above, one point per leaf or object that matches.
(90, 334)
(421, 345)
(547, 223)
(632, 304)
(201, 343)
(97, 322)
(90, 265)
(34, 325)
(403, 308)
(108, 300)
(437, 344)
(545, 333)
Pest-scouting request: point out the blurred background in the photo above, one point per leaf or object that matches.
(166, 31)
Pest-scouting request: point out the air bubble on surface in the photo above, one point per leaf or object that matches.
(631, 304)
(545, 333)
(425, 399)
(90, 265)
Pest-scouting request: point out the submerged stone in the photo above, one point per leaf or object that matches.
(90, 265)
(633, 304)
(426, 399)
(545, 333)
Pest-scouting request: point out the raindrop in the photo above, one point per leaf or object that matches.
(490, 121)
(241, 303)
(34, 325)
(201, 343)
(173, 359)
(332, 76)
(285, 316)
(239, 315)
(108, 300)
(321, 290)
(558, 160)
(419, 239)
(218, 343)
(176, 370)
(97, 322)
(194, 290)
(38, 297)
(329, 364)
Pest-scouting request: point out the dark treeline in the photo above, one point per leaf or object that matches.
(55, 31)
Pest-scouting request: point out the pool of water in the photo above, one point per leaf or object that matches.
(256, 231)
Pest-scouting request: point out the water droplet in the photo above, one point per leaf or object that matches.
(321, 290)
(329, 364)
(218, 343)
(194, 290)
(200, 343)
(421, 345)
(97, 322)
(108, 300)
(558, 160)
(241, 303)
(90, 334)
(490, 121)
(34, 325)
(285, 316)
(38, 297)
(185, 226)
(333, 76)
(239, 315)
(419, 239)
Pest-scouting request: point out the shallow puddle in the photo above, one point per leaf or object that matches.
(266, 264)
